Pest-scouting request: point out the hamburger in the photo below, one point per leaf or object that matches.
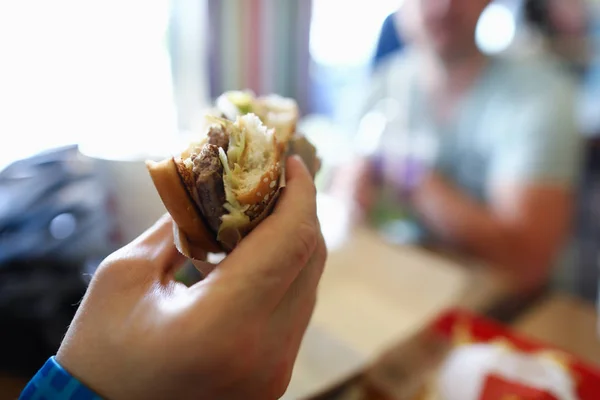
(222, 186)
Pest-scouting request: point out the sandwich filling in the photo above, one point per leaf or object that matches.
(231, 168)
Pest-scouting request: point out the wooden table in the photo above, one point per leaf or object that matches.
(372, 296)
(567, 322)
(10, 386)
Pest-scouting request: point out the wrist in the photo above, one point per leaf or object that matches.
(52, 381)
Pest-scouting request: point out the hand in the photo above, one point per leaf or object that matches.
(140, 335)
(365, 186)
(431, 182)
(356, 183)
(406, 176)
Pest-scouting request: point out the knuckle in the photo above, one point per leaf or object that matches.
(109, 266)
(117, 267)
(305, 241)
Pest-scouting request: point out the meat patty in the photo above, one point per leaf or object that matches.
(209, 185)
(210, 189)
(218, 136)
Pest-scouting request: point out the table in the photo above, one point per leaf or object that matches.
(10, 386)
(564, 321)
(372, 296)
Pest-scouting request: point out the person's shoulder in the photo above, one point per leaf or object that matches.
(534, 75)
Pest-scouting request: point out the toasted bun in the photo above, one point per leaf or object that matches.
(275, 111)
(279, 113)
(264, 189)
(192, 230)
(186, 175)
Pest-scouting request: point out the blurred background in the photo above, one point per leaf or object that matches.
(89, 90)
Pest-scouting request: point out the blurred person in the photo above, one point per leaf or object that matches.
(565, 27)
(499, 175)
(138, 334)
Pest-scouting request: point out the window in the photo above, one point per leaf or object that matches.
(343, 39)
(95, 73)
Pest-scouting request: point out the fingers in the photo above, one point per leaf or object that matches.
(293, 313)
(204, 267)
(152, 254)
(260, 270)
(300, 193)
(298, 300)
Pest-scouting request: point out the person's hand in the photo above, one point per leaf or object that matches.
(365, 186)
(405, 176)
(235, 334)
(356, 183)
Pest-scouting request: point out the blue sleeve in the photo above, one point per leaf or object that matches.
(53, 382)
(389, 41)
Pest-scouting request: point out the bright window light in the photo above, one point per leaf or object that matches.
(345, 33)
(95, 73)
(496, 29)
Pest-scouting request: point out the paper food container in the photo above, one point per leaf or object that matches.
(463, 356)
(586, 377)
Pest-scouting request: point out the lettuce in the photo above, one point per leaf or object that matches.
(237, 144)
(237, 213)
(220, 121)
(242, 100)
(229, 179)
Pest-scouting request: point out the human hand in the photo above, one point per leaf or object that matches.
(138, 334)
(365, 185)
(356, 183)
(405, 176)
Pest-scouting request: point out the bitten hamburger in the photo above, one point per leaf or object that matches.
(221, 187)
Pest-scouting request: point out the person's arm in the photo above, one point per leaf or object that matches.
(522, 228)
(531, 185)
(139, 334)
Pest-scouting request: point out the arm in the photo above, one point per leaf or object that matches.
(530, 188)
(522, 228)
(139, 334)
